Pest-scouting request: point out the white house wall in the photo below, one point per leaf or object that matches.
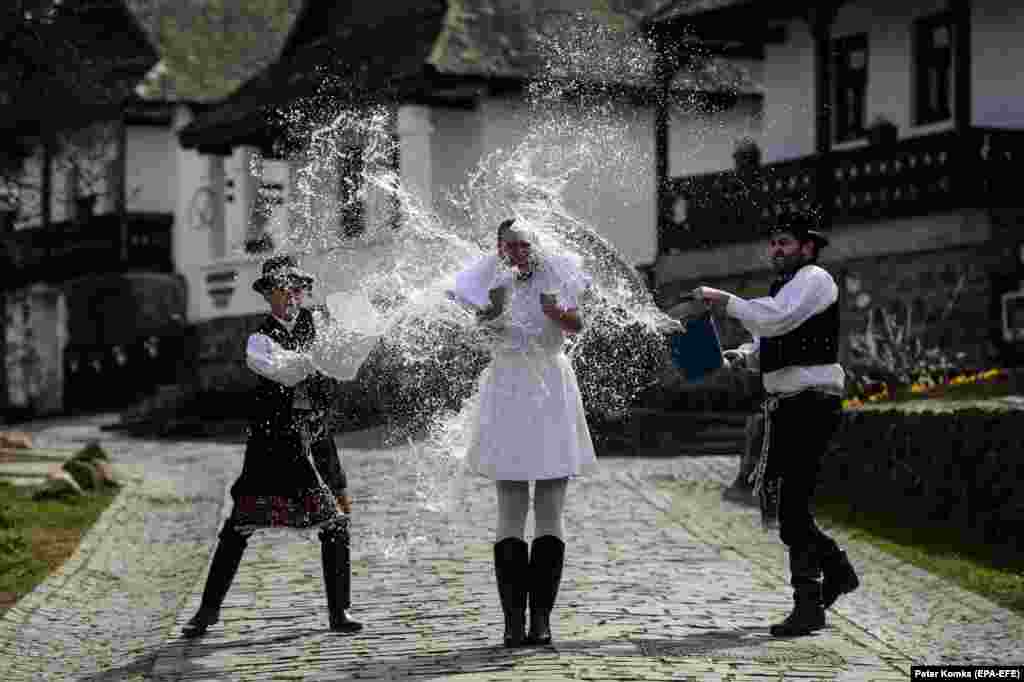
(704, 143)
(151, 174)
(997, 85)
(618, 201)
(997, 55)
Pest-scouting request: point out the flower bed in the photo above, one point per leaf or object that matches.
(991, 383)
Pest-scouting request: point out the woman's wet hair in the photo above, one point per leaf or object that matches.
(505, 226)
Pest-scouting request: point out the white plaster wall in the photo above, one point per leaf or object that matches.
(151, 174)
(704, 143)
(456, 148)
(616, 197)
(415, 148)
(192, 231)
(788, 123)
(789, 79)
(997, 56)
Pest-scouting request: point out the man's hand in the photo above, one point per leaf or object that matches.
(712, 296)
(552, 310)
(344, 503)
(734, 359)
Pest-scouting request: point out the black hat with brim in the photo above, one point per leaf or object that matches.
(802, 225)
(282, 271)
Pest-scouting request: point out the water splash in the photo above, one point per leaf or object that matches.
(387, 258)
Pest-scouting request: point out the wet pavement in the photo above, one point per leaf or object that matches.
(663, 581)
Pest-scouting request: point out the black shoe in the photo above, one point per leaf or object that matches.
(198, 624)
(807, 616)
(334, 555)
(540, 627)
(547, 558)
(839, 578)
(342, 622)
(511, 563)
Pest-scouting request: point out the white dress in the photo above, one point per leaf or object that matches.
(528, 421)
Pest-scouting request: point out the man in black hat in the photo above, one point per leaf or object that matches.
(796, 340)
(291, 476)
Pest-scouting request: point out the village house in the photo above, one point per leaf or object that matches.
(455, 76)
(92, 310)
(902, 124)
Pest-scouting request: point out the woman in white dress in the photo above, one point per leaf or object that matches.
(530, 424)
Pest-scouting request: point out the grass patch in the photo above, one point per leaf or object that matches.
(994, 573)
(36, 537)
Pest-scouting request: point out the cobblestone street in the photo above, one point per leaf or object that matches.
(663, 581)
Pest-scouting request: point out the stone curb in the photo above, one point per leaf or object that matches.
(59, 579)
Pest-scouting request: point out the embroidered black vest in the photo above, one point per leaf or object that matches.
(815, 342)
(273, 402)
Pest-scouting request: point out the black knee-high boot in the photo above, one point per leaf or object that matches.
(334, 555)
(547, 557)
(511, 562)
(226, 558)
(808, 612)
(839, 577)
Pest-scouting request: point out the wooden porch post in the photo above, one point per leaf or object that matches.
(820, 19)
(963, 114)
(665, 69)
(120, 195)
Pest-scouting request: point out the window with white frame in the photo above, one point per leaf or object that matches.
(933, 69)
(850, 85)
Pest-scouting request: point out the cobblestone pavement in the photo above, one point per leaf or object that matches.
(663, 581)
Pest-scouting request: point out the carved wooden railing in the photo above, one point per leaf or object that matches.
(912, 177)
(97, 245)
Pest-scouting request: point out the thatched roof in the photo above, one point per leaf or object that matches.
(385, 49)
(68, 63)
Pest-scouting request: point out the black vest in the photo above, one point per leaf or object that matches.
(273, 406)
(815, 342)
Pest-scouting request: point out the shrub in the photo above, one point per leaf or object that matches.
(92, 451)
(84, 473)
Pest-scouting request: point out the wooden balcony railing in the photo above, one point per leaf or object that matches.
(912, 177)
(98, 245)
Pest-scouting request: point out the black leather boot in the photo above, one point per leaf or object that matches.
(547, 557)
(334, 555)
(511, 563)
(808, 613)
(839, 577)
(226, 558)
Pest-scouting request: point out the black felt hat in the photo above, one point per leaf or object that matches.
(282, 271)
(804, 225)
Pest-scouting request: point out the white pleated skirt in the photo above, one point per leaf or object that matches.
(529, 422)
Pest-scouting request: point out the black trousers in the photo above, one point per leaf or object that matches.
(798, 436)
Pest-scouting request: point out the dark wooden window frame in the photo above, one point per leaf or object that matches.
(933, 69)
(849, 88)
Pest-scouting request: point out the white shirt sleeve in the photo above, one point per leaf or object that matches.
(270, 360)
(811, 291)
